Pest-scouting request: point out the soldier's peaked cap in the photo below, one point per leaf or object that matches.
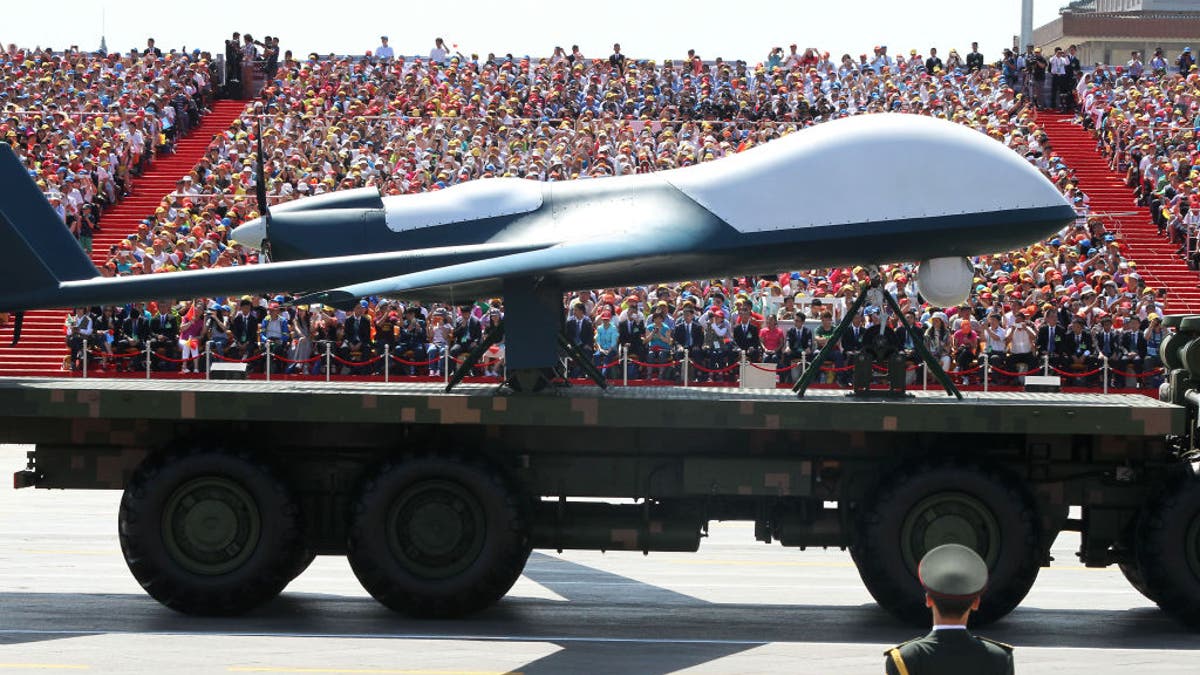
(953, 571)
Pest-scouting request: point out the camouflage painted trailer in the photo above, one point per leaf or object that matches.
(230, 488)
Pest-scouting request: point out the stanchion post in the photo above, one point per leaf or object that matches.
(267, 356)
(207, 360)
(987, 371)
(624, 365)
(387, 365)
(1046, 364)
(1104, 372)
(742, 368)
(84, 351)
(328, 360)
(446, 365)
(686, 367)
(924, 377)
(149, 356)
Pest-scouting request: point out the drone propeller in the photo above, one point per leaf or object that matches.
(260, 182)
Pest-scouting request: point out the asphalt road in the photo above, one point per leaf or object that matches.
(67, 603)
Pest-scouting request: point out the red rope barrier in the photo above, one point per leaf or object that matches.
(831, 369)
(171, 360)
(344, 362)
(401, 361)
(668, 364)
(221, 357)
(726, 369)
(1008, 374)
(125, 355)
(287, 360)
(881, 369)
(1148, 373)
(968, 371)
(1067, 374)
(771, 370)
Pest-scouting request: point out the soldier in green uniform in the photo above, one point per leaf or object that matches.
(954, 577)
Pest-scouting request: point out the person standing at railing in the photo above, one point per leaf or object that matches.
(1133, 350)
(441, 333)
(244, 329)
(1079, 352)
(659, 339)
(964, 344)
(607, 340)
(79, 333)
(190, 330)
(276, 333)
(217, 329)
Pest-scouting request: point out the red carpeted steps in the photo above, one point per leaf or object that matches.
(42, 348)
(1154, 255)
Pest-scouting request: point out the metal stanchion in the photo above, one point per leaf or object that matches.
(1104, 372)
(149, 356)
(624, 365)
(924, 377)
(446, 365)
(328, 360)
(208, 360)
(687, 362)
(987, 371)
(1046, 365)
(267, 356)
(742, 368)
(387, 365)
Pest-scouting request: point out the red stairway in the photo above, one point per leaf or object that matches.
(42, 348)
(1154, 255)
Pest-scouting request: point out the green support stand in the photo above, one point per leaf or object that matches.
(918, 340)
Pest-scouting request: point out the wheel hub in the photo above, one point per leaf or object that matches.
(211, 526)
(436, 529)
(949, 518)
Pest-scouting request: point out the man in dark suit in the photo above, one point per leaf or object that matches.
(244, 328)
(468, 331)
(631, 332)
(798, 347)
(1050, 339)
(1133, 349)
(1079, 352)
(581, 333)
(954, 578)
(132, 335)
(1108, 345)
(745, 334)
(689, 337)
(852, 344)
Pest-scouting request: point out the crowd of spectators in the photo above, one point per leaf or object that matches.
(415, 124)
(84, 124)
(1146, 122)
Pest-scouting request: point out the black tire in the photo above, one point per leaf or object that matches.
(434, 536)
(963, 503)
(302, 562)
(1133, 574)
(1168, 549)
(210, 532)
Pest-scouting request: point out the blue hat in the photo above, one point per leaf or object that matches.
(362, 303)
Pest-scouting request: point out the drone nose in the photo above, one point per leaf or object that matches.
(251, 233)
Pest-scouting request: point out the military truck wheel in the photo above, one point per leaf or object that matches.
(209, 532)
(944, 503)
(1133, 574)
(436, 536)
(1168, 550)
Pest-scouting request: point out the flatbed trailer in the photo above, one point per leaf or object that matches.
(230, 488)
